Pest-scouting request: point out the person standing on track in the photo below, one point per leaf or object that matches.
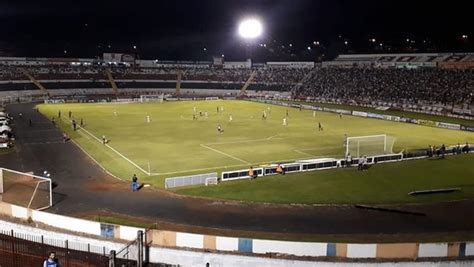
(134, 183)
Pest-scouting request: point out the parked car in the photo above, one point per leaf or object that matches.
(4, 129)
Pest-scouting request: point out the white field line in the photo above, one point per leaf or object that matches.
(94, 160)
(273, 136)
(303, 153)
(116, 152)
(225, 154)
(243, 141)
(318, 148)
(201, 169)
(238, 165)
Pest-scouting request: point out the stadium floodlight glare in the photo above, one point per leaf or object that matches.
(250, 28)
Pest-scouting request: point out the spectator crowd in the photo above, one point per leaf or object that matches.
(427, 85)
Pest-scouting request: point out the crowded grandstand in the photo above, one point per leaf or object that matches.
(430, 82)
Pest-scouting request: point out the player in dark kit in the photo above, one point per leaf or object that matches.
(320, 127)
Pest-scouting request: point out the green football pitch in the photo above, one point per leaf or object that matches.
(173, 144)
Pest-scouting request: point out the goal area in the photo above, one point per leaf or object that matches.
(371, 145)
(26, 190)
(152, 98)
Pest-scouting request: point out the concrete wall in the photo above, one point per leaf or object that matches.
(68, 223)
(292, 248)
(245, 251)
(361, 250)
(433, 250)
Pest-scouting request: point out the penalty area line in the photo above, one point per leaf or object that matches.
(232, 166)
(225, 154)
(303, 153)
(245, 141)
(201, 169)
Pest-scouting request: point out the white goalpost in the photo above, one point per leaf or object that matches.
(152, 98)
(26, 190)
(370, 145)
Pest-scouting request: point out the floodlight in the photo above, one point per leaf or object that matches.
(250, 28)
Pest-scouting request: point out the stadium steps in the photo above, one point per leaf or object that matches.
(248, 82)
(34, 81)
(112, 81)
(179, 77)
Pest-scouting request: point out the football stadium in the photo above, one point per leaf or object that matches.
(313, 152)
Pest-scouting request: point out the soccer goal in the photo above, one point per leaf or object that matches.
(372, 145)
(26, 190)
(152, 98)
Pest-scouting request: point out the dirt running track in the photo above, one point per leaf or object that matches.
(81, 190)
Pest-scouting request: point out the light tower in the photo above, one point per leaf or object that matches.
(249, 30)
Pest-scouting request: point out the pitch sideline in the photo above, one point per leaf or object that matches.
(116, 152)
(113, 149)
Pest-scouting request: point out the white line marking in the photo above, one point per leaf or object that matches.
(243, 141)
(93, 159)
(113, 149)
(303, 153)
(240, 165)
(201, 169)
(225, 154)
(319, 148)
(271, 137)
(116, 152)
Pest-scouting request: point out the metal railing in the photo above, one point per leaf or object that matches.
(17, 249)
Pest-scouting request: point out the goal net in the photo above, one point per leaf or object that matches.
(372, 145)
(152, 98)
(26, 190)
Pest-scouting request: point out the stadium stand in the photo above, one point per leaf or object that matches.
(406, 86)
(424, 82)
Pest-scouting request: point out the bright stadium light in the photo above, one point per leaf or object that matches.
(250, 28)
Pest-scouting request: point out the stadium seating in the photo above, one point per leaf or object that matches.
(409, 86)
(426, 89)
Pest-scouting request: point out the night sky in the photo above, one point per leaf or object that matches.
(180, 30)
